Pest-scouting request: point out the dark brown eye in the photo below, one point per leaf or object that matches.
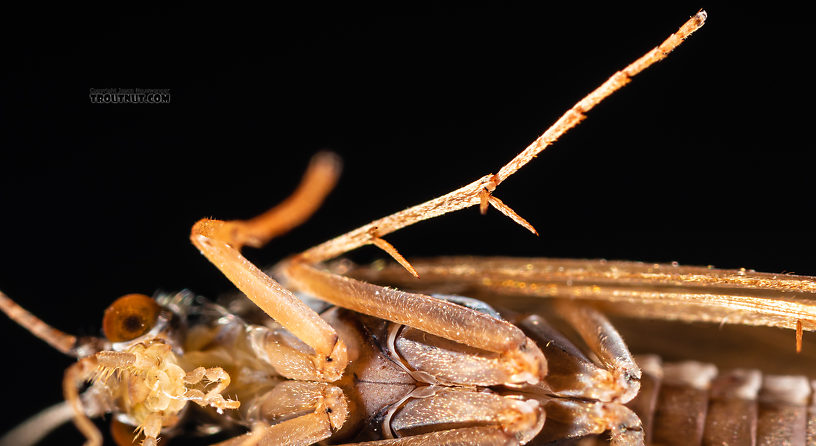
(129, 317)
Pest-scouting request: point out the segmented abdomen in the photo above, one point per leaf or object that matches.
(692, 403)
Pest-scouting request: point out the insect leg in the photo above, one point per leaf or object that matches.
(577, 113)
(221, 242)
(75, 376)
(426, 313)
(434, 408)
(325, 403)
(476, 436)
(480, 191)
(301, 431)
(329, 356)
(572, 418)
(570, 372)
(319, 179)
(607, 345)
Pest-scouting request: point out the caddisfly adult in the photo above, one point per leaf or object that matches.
(407, 368)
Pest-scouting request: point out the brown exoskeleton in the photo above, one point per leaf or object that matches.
(383, 363)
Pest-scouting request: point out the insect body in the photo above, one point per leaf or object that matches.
(378, 364)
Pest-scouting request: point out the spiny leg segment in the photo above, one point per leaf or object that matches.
(480, 191)
(578, 112)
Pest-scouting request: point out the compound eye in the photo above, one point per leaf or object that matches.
(129, 317)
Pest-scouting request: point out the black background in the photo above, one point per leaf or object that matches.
(703, 159)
